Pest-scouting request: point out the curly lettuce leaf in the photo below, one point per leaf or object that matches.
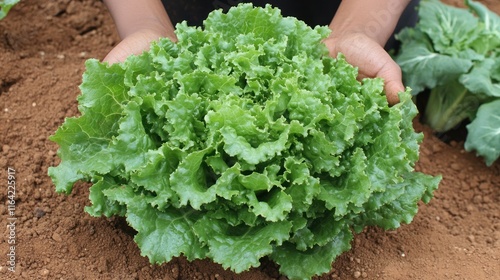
(161, 235)
(298, 264)
(102, 205)
(84, 140)
(240, 247)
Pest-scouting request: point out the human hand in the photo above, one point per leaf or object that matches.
(371, 59)
(360, 29)
(135, 43)
(138, 24)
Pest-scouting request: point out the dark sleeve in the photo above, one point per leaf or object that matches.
(408, 19)
(313, 12)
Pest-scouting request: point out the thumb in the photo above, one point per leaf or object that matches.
(393, 81)
(118, 54)
(392, 90)
(134, 44)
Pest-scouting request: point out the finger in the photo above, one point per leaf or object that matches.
(393, 81)
(117, 54)
(134, 44)
(392, 90)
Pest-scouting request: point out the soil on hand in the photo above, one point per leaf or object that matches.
(43, 47)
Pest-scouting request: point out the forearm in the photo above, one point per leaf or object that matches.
(131, 16)
(376, 19)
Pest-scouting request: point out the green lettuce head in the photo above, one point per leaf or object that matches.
(242, 140)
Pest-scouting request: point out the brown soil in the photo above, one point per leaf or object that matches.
(43, 46)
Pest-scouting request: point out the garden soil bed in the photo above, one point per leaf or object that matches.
(43, 47)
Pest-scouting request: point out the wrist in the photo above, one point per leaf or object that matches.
(151, 28)
(132, 16)
(375, 19)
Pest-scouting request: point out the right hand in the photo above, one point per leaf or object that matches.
(138, 23)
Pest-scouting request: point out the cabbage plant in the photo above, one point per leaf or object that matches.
(454, 53)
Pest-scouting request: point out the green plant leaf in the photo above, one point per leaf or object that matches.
(423, 67)
(484, 132)
(481, 80)
(240, 247)
(453, 52)
(102, 205)
(84, 141)
(161, 235)
(5, 6)
(490, 39)
(451, 29)
(298, 264)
